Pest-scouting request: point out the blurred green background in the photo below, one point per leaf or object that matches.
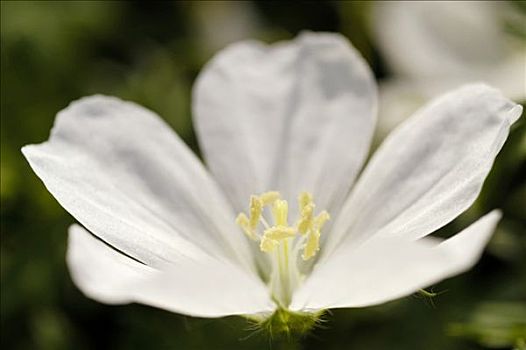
(151, 52)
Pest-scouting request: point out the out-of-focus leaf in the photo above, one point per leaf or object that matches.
(494, 324)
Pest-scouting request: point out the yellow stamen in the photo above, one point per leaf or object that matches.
(313, 240)
(312, 246)
(280, 232)
(243, 222)
(280, 209)
(305, 222)
(283, 242)
(321, 219)
(274, 235)
(269, 197)
(256, 207)
(268, 245)
(306, 208)
(305, 198)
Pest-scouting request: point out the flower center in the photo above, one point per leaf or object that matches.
(281, 241)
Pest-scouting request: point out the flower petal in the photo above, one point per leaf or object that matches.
(451, 43)
(385, 269)
(445, 38)
(294, 116)
(204, 289)
(120, 170)
(430, 169)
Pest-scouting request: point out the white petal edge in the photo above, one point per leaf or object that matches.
(428, 170)
(385, 269)
(202, 289)
(128, 178)
(294, 116)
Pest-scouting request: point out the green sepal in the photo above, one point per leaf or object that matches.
(286, 324)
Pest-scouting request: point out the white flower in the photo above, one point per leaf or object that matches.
(433, 46)
(284, 129)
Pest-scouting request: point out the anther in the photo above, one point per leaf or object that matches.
(312, 246)
(306, 216)
(269, 197)
(280, 209)
(243, 222)
(304, 199)
(256, 207)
